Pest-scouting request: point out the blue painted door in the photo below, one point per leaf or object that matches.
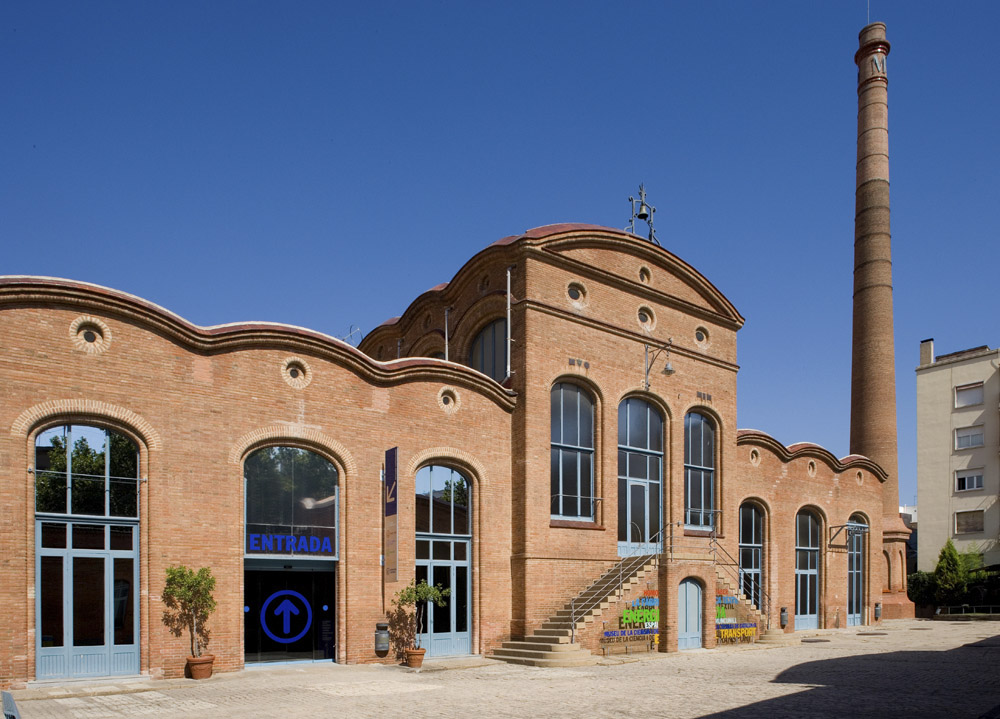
(689, 615)
(855, 573)
(446, 629)
(806, 571)
(86, 603)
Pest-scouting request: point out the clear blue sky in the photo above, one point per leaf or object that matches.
(322, 164)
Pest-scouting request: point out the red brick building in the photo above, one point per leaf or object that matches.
(552, 435)
(257, 450)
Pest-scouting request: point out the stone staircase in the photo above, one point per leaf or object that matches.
(551, 644)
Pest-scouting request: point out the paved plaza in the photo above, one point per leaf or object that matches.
(901, 669)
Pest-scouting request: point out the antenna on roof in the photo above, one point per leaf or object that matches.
(644, 213)
(354, 336)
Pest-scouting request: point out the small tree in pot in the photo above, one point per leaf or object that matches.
(187, 595)
(415, 595)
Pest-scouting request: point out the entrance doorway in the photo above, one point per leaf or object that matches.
(856, 531)
(289, 615)
(444, 556)
(806, 571)
(86, 604)
(86, 553)
(689, 615)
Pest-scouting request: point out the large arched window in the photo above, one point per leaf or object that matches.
(86, 471)
(291, 503)
(640, 472)
(444, 556)
(489, 350)
(86, 559)
(807, 542)
(699, 471)
(751, 551)
(572, 459)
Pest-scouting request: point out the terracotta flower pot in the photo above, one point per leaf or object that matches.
(200, 667)
(414, 657)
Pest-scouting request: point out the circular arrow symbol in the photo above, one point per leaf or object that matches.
(286, 609)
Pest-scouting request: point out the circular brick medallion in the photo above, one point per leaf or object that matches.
(90, 334)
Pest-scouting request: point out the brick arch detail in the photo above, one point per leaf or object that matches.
(263, 435)
(447, 454)
(83, 408)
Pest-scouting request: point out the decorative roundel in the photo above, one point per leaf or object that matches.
(811, 468)
(90, 334)
(860, 477)
(296, 372)
(448, 400)
(646, 318)
(577, 294)
(754, 457)
(644, 275)
(701, 336)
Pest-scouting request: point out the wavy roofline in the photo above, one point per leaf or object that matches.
(797, 450)
(28, 289)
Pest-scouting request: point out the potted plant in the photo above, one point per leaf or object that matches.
(416, 595)
(187, 595)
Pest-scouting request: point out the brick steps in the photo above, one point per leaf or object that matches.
(550, 645)
(778, 638)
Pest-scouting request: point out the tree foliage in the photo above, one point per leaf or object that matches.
(417, 595)
(950, 576)
(189, 601)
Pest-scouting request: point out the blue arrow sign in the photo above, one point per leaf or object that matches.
(286, 609)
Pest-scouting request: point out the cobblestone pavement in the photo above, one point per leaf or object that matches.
(902, 669)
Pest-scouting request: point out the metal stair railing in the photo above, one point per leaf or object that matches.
(763, 603)
(627, 567)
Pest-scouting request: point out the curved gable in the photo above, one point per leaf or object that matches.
(618, 254)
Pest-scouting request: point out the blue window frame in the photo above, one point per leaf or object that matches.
(751, 551)
(699, 471)
(572, 454)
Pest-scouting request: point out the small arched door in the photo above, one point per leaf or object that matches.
(689, 615)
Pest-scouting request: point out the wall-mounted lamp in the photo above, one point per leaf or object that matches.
(650, 359)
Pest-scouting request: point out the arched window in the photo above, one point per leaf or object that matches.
(572, 459)
(699, 471)
(291, 503)
(751, 551)
(86, 470)
(489, 350)
(86, 560)
(857, 531)
(640, 473)
(444, 556)
(807, 541)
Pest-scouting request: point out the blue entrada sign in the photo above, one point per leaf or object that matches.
(289, 543)
(277, 620)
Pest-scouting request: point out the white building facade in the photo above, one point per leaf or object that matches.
(958, 452)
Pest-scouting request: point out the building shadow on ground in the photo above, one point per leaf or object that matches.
(956, 684)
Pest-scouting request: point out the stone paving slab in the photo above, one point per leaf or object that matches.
(915, 669)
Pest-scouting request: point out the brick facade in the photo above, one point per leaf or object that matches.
(197, 401)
